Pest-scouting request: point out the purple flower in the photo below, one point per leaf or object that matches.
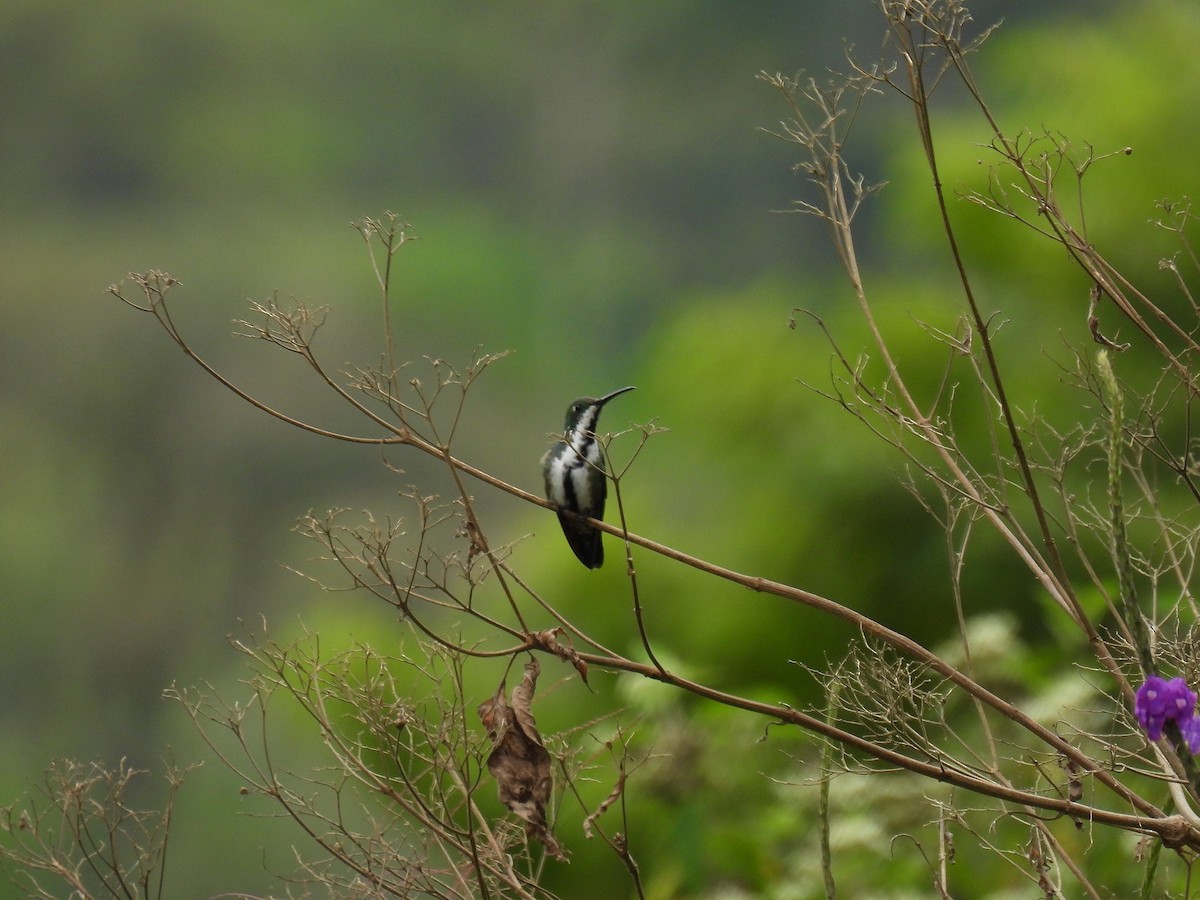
(1159, 700)
(1190, 730)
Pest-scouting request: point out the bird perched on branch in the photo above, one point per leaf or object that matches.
(576, 479)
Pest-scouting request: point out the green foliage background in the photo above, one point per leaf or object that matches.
(591, 192)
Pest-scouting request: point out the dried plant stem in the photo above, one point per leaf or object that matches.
(831, 708)
(1120, 546)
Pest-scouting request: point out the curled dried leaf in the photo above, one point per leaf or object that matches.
(548, 640)
(1093, 321)
(613, 796)
(518, 761)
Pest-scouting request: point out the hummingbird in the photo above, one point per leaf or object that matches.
(576, 479)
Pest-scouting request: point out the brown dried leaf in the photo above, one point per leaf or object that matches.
(518, 761)
(1093, 321)
(613, 796)
(548, 640)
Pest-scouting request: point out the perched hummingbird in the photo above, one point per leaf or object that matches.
(575, 477)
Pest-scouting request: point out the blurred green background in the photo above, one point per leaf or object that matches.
(592, 191)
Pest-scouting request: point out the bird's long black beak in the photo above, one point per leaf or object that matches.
(612, 394)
